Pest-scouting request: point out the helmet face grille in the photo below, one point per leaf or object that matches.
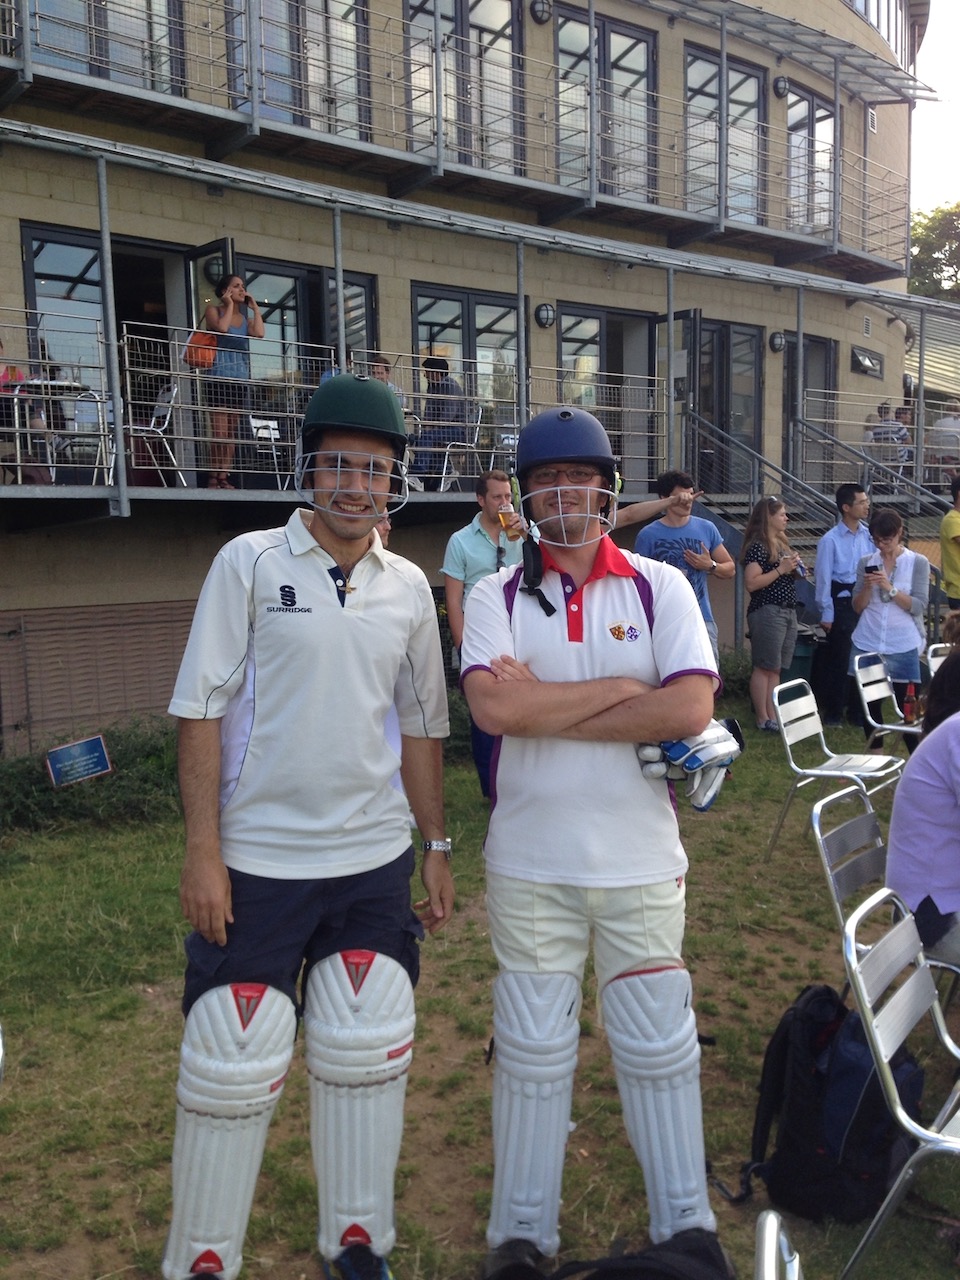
(370, 487)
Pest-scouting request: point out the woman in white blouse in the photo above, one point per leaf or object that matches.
(890, 595)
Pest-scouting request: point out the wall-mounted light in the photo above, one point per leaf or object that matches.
(776, 342)
(545, 315)
(781, 86)
(541, 11)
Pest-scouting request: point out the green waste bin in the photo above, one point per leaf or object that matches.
(802, 665)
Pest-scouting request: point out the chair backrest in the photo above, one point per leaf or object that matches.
(853, 852)
(894, 990)
(265, 430)
(935, 656)
(776, 1259)
(874, 684)
(797, 716)
(163, 409)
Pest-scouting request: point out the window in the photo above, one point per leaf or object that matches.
(867, 362)
(480, 79)
(810, 150)
(139, 43)
(706, 102)
(477, 334)
(315, 70)
(891, 18)
(624, 69)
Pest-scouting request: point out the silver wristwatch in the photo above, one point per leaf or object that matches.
(439, 846)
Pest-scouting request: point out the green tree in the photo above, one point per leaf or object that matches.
(935, 253)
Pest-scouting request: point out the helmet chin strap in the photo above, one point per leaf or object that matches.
(533, 556)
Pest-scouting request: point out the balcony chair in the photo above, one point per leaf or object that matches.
(154, 433)
(776, 1259)
(91, 420)
(874, 685)
(894, 989)
(457, 454)
(268, 443)
(854, 857)
(799, 721)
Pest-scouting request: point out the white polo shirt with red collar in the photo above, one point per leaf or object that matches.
(302, 670)
(582, 813)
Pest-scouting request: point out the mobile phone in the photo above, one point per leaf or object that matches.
(871, 568)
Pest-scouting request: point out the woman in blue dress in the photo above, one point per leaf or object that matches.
(235, 319)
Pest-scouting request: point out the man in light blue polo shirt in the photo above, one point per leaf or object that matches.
(480, 548)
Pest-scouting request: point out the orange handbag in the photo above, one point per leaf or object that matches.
(201, 349)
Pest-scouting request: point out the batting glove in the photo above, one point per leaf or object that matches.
(702, 760)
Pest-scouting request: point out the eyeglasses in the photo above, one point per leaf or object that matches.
(547, 476)
(501, 556)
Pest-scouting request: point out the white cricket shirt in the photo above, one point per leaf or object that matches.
(582, 812)
(304, 685)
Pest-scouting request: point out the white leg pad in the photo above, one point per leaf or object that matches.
(536, 1028)
(359, 1023)
(653, 1039)
(237, 1045)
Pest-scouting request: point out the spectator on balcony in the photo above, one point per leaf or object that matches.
(943, 442)
(235, 320)
(444, 418)
(890, 430)
(380, 368)
(10, 375)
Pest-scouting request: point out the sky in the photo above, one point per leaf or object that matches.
(936, 125)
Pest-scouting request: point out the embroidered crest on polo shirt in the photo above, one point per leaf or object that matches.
(288, 602)
(624, 631)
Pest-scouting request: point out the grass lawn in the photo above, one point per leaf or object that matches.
(90, 964)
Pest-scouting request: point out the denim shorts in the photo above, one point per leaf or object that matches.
(282, 926)
(902, 668)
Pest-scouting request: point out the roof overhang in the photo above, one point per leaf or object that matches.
(861, 73)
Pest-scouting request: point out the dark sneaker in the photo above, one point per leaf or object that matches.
(357, 1262)
(513, 1260)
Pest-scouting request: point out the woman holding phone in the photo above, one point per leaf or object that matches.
(235, 319)
(890, 596)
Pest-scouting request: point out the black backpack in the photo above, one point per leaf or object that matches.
(837, 1149)
(690, 1255)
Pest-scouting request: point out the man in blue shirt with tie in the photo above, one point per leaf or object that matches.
(839, 552)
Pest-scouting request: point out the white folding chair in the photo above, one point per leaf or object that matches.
(799, 722)
(894, 989)
(776, 1258)
(853, 852)
(874, 685)
(458, 453)
(154, 434)
(935, 655)
(854, 857)
(266, 435)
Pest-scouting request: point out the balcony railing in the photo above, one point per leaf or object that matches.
(369, 79)
(57, 426)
